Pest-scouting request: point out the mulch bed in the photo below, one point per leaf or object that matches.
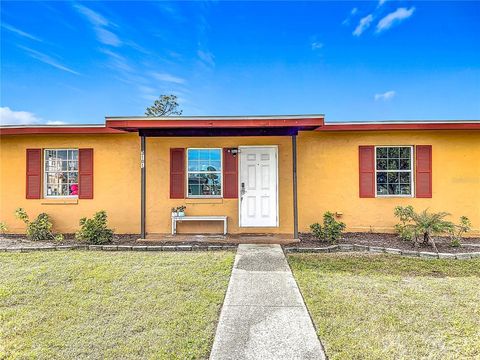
(390, 241)
(19, 241)
(306, 240)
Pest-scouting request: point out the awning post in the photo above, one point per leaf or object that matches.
(143, 185)
(294, 175)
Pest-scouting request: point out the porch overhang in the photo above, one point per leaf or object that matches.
(226, 126)
(183, 126)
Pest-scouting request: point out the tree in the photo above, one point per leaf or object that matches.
(165, 105)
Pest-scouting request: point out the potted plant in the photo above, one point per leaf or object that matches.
(181, 210)
(174, 212)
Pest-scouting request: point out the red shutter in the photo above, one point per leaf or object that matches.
(85, 173)
(367, 171)
(34, 173)
(230, 175)
(423, 171)
(177, 173)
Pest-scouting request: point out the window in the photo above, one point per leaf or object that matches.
(61, 173)
(393, 170)
(204, 172)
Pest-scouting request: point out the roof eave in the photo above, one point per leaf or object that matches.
(401, 125)
(57, 129)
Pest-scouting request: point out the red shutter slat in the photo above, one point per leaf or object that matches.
(423, 171)
(34, 173)
(177, 173)
(230, 175)
(85, 173)
(367, 171)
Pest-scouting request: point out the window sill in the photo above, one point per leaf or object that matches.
(60, 201)
(393, 196)
(211, 200)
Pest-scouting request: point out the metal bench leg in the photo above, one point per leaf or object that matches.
(224, 227)
(173, 226)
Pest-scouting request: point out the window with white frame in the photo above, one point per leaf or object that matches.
(204, 172)
(394, 170)
(61, 173)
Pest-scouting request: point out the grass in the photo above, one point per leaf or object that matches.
(389, 307)
(102, 305)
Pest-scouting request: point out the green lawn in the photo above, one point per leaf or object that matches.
(390, 307)
(97, 305)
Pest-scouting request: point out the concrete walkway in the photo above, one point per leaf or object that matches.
(263, 315)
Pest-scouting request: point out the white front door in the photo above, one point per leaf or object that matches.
(258, 186)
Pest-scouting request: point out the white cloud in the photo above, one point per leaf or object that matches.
(317, 45)
(168, 78)
(107, 37)
(20, 32)
(381, 2)
(394, 18)
(352, 13)
(92, 16)
(149, 97)
(171, 10)
(363, 25)
(207, 57)
(47, 59)
(117, 62)
(100, 25)
(388, 95)
(146, 89)
(11, 117)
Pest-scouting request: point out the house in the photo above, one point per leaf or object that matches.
(267, 174)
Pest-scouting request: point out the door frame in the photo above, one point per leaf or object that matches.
(277, 222)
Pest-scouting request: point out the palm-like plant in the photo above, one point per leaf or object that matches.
(427, 225)
(424, 226)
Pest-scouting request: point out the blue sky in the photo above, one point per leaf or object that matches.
(76, 62)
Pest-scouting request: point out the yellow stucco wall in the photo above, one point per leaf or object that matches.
(328, 177)
(117, 184)
(158, 191)
(327, 180)
(116, 181)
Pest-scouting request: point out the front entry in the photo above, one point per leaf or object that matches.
(258, 186)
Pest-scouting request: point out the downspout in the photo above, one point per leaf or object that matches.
(295, 200)
(143, 185)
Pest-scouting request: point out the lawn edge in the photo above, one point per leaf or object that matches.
(378, 250)
(285, 253)
(119, 248)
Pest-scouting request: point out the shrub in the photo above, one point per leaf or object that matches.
(457, 231)
(95, 231)
(38, 229)
(317, 231)
(331, 231)
(455, 243)
(405, 230)
(3, 228)
(59, 238)
(422, 227)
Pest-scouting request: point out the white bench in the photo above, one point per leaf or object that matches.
(176, 219)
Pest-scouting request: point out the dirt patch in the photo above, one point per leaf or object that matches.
(391, 241)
